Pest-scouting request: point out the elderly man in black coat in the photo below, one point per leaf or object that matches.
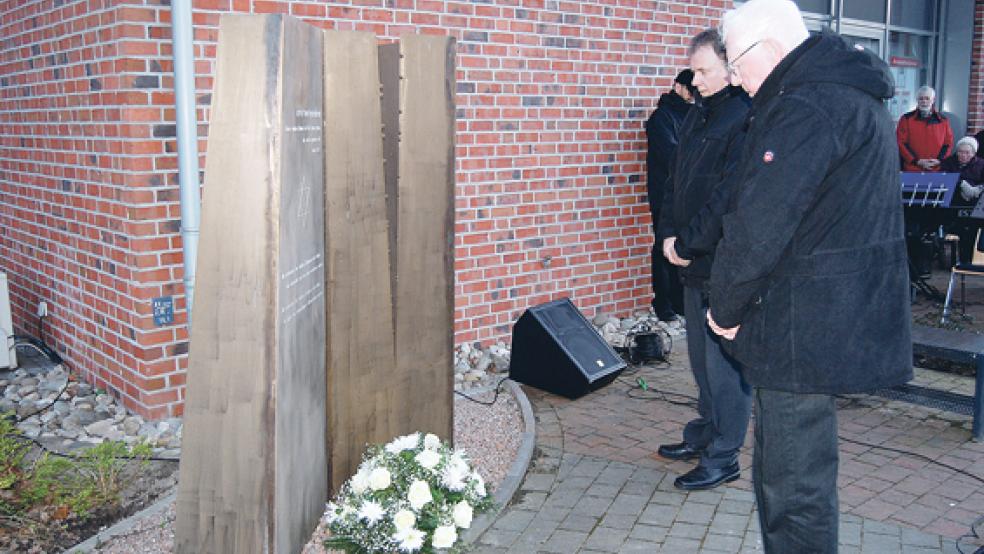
(698, 189)
(809, 283)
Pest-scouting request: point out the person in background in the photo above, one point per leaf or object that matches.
(924, 135)
(662, 136)
(810, 284)
(971, 169)
(698, 193)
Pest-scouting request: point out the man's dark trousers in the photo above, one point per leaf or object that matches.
(796, 454)
(725, 400)
(666, 283)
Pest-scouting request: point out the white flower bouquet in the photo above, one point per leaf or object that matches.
(411, 495)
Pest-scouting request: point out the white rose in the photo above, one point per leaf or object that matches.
(406, 442)
(463, 514)
(419, 494)
(431, 441)
(444, 536)
(379, 479)
(404, 519)
(410, 539)
(427, 458)
(360, 481)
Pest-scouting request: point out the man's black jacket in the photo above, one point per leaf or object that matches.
(662, 133)
(813, 263)
(703, 169)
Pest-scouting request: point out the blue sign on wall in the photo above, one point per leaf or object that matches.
(163, 310)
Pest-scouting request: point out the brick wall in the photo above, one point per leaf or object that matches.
(89, 214)
(550, 176)
(975, 100)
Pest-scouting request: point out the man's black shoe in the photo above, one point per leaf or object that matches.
(703, 478)
(679, 451)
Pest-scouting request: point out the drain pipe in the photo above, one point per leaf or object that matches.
(187, 133)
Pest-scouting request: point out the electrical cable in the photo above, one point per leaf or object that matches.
(77, 457)
(45, 350)
(498, 386)
(47, 406)
(657, 394)
(52, 356)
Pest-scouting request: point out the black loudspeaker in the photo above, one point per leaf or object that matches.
(555, 349)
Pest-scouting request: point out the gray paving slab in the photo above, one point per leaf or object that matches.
(657, 514)
(564, 541)
(680, 544)
(579, 522)
(726, 543)
(628, 504)
(692, 512)
(632, 546)
(605, 539)
(652, 533)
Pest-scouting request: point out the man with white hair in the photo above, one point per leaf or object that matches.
(810, 281)
(924, 135)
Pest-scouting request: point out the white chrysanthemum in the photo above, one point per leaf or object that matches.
(379, 479)
(458, 459)
(371, 512)
(431, 441)
(479, 485)
(410, 539)
(404, 519)
(453, 477)
(347, 510)
(419, 494)
(427, 458)
(444, 536)
(360, 481)
(463, 514)
(406, 442)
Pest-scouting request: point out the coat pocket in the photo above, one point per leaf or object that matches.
(846, 326)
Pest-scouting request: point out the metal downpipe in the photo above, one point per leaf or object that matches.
(182, 35)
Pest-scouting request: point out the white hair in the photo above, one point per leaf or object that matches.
(930, 90)
(968, 141)
(779, 20)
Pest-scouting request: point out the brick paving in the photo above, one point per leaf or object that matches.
(595, 484)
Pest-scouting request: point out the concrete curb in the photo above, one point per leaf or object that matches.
(123, 526)
(517, 471)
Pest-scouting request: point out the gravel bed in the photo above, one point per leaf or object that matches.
(490, 435)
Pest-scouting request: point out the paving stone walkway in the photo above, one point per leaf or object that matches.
(595, 484)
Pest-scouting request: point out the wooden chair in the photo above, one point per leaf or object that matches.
(973, 269)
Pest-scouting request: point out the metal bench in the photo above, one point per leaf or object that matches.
(956, 347)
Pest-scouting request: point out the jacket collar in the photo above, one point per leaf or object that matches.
(708, 105)
(934, 116)
(672, 100)
(772, 85)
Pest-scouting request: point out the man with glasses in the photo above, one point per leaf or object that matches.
(809, 284)
(698, 192)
